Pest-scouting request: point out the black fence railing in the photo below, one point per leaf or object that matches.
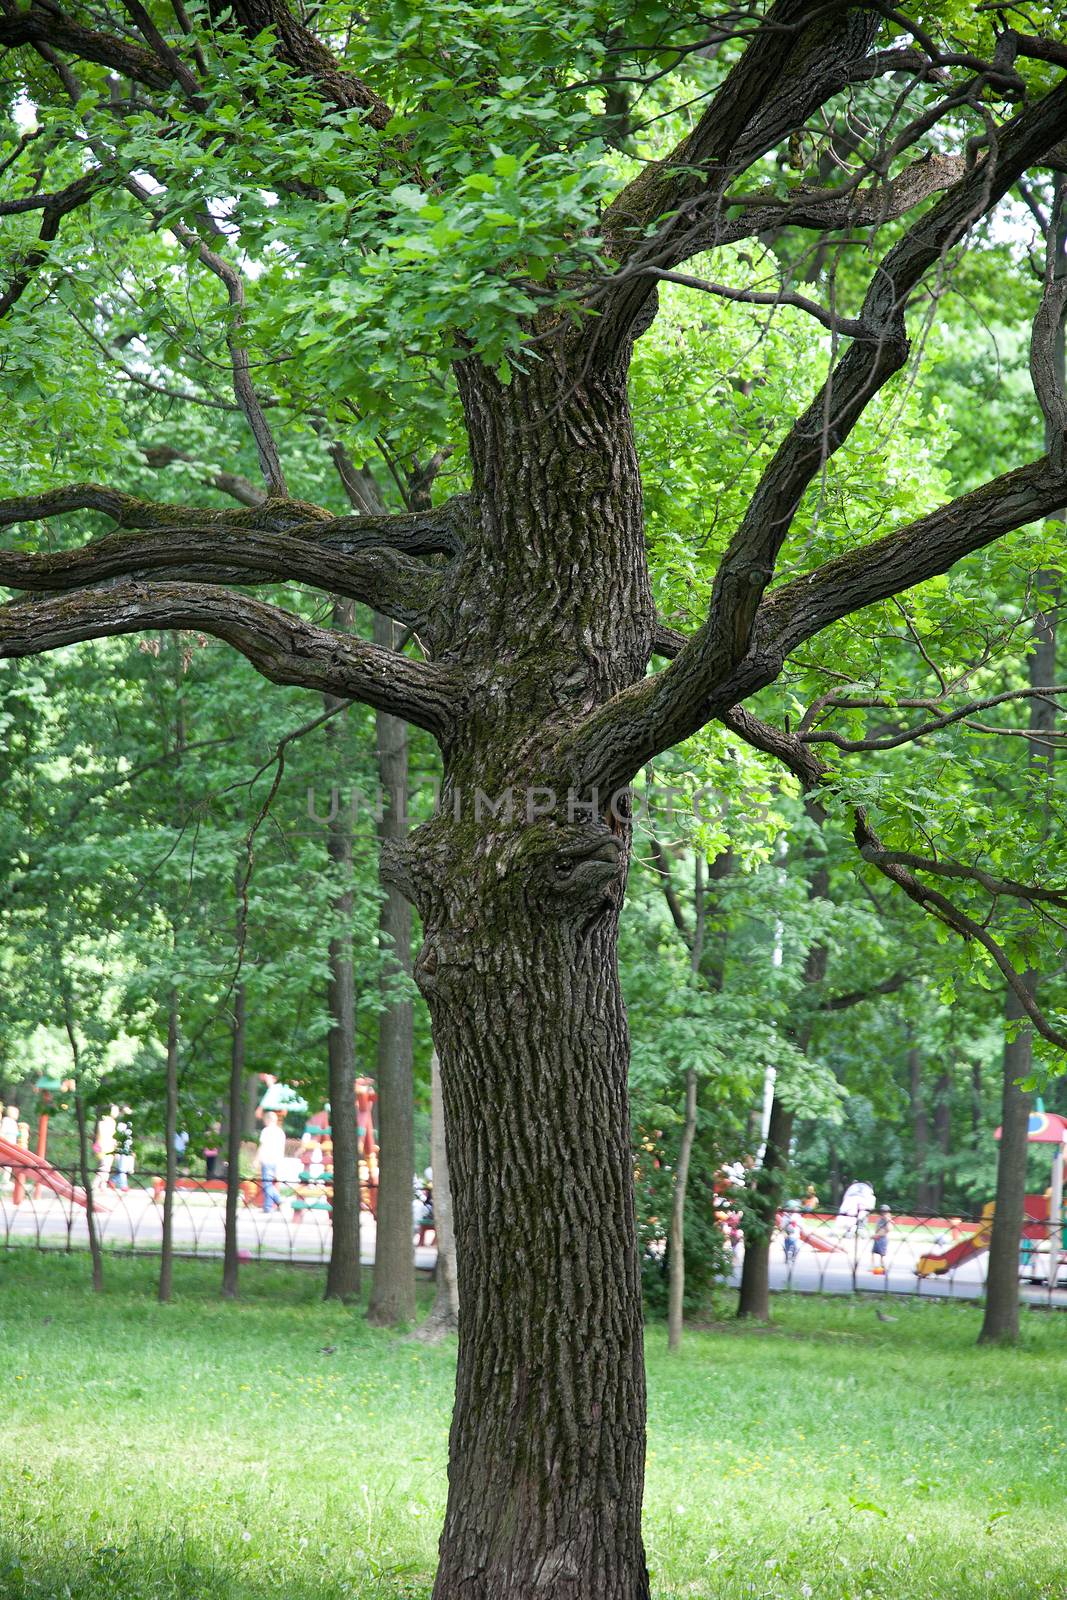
(44, 1207)
(817, 1252)
(289, 1221)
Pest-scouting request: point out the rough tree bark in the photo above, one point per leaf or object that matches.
(343, 1274)
(520, 896)
(444, 1313)
(170, 1122)
(392, 1298)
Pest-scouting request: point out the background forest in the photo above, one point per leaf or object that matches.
(151, 785)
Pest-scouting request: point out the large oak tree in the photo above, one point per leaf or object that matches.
(436, 192)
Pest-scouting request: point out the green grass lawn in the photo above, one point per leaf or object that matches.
(204, 1451)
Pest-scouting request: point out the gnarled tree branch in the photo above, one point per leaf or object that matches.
(283, 647)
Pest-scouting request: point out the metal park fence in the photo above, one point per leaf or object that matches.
(44, 1208)
(939, 1256)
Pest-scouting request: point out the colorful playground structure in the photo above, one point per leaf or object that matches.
(1043, 1239)
(30, 1166)
(306, 1178)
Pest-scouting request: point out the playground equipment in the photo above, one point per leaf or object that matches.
(14, 1156)
(1042, 1229)
(309, 1186)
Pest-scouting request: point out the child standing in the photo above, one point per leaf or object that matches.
(791, 1232)
(880, 1244)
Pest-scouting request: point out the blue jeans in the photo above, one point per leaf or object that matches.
(271, 1198)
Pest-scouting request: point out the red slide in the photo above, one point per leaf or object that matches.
(819, 1244)
(37, 1170)
(963, 1249)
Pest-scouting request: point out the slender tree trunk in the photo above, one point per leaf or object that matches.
(766, 1196)
(920, 1124)
(942, 1135)
(444, 1314)
(676, 1235)
(230, 1265)
(392, 1298)
(1001, 1321)
(976, 1100)
(754, 1299)
(343, 1275)
(166, 1261)
(96, 1255)
(1000, 1325)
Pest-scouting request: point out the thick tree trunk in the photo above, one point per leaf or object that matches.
(547, 1447)
(170, 1121)
(444, 1313)
(343, 1275)
(392, 1298)
(520, 899)
(1000, 1325)
(767, 1195)
(233, 1143)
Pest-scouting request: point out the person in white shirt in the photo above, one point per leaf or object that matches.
(271, 1154)
(857, 1200)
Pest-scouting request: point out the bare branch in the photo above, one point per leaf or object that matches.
(1031, 893)
(920, 550)
(849, 327)
(702, 680)
(892, 741)
(856, 997)
(53, 207)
